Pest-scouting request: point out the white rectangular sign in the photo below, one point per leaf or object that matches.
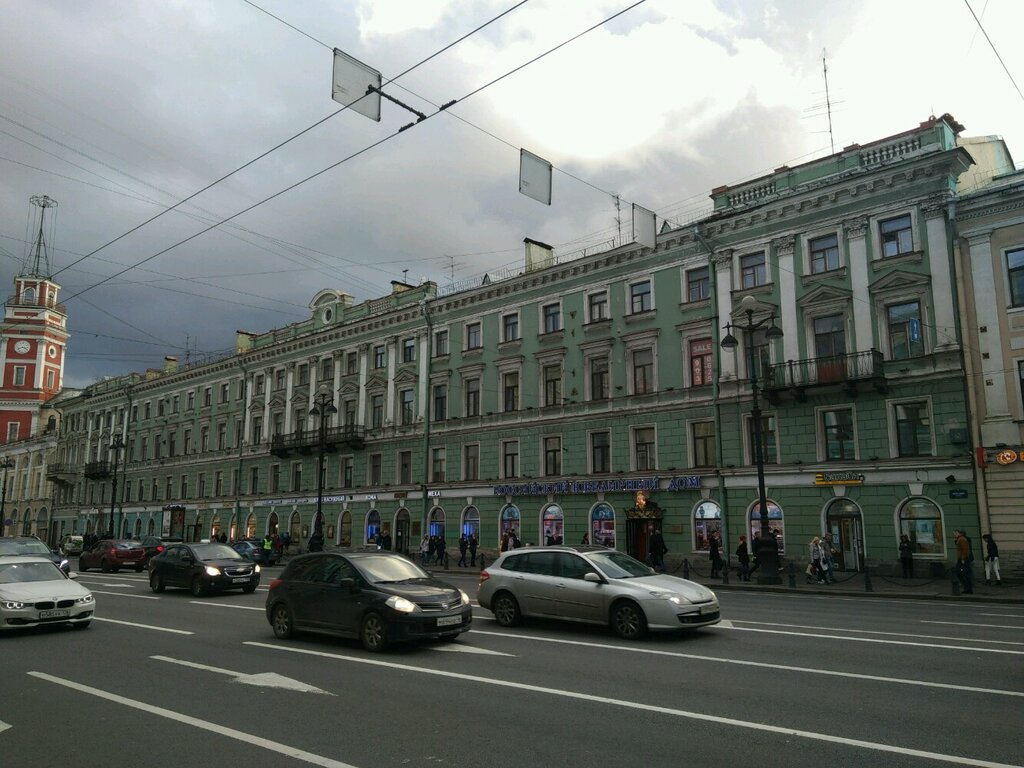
(535, 177)
(351, 79)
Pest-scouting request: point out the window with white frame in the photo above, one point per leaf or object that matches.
(700, 353)
(19, 375)
(509, 458)
(471, 461)
(698, 284)
(837, 432)
(437, 465)
(474, 335)
(1015, 276)
(409, 350)
(704, 452)
(897, 236)
(824, 252)
(906, 339)
(12, 431)
(753, 270)
(472, 386)
(641, 297)
(510, 327)
(441, 343)
(643, 371)
(552, 317)
(600, 452)
(597, 306)
(645, 452)
(912, 426)
(552, 376)
(510, 391)
(599, 377)
(769, 445)
(552, 456)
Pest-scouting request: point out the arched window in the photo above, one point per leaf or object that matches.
(151, 527)
(509, 520)
(250, 526)
(435, 524)
(272, 523)
(295, 527)
(707, 519)
(921, 520)
(215, 527)
(138, 528)
(775, 523)
(471, 522)
(602, 525)
(345, 536)
(552, 524)
(372, 526)
(28, 295)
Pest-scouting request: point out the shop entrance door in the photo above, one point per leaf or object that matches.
(402, 533)
(638, 537)
(847, 538)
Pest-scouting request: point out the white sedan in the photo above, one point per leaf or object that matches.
(34, 592)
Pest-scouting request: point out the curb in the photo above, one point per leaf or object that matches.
(718, 586)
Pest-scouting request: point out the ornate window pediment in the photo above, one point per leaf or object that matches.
(825, 294)
(899, 280)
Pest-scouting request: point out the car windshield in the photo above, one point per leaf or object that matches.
(616, 565)
(128, 545)
(382, 569)
(215, 552)
(23, 547)
(17, 573)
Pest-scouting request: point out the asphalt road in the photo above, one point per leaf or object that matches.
(786, 680)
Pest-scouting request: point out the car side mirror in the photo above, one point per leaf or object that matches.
(593, 578)
(72, 575)
(350, 584)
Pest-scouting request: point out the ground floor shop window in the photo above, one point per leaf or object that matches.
(602, 525)
(372, 526)
(250, 526)
(471, 522)
(921, 520)
(509, 520)
(345, 537)
(215, 527)
(436, 522)
(707, 520)
(775, 523)
(272, 523)
(295, 527)
(552, 523)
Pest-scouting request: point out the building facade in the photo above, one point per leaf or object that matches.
(592, 397)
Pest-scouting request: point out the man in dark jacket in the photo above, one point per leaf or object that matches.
(463, 548)
(658, 550)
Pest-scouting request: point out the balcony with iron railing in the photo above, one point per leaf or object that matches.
(61, 473)
(306, 442)
(843, 371)
(97, 470)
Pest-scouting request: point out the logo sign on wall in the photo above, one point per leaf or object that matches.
(838, 478)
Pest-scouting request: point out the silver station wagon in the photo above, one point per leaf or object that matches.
(594, 585)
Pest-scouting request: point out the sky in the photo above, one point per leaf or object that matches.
(119, 110)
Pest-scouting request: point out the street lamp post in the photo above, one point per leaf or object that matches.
(115, 445)
(5, 464)
(322, 408)
(766, 547)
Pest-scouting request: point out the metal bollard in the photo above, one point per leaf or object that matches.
(686, 568)
(791, 570)
(867, 579)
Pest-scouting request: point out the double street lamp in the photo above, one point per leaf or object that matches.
(322, 408)
(5, 464)
(765, 546)
(115, 445)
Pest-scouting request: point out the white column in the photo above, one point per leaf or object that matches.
(335, 394)
(989, 306)
(289, 387)
(364, 351)
(391, 351)
(939, 265)
(424, 374)
(857, 264)
(787, 299)
(722, 261)
(314, 381)
(246, 421)
(268, 382)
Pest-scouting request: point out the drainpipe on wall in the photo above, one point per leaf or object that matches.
(426, 420)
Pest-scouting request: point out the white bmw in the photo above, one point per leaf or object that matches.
(34, 592)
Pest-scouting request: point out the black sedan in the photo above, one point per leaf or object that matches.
(202, 568)
(377, 597)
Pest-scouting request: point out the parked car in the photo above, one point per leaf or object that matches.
(111, 555)
(34, 592)
(252, 549)
(377, 597)
(30, 546)
(594, 585)
(71, 545)
(154, 545)
(202, 568)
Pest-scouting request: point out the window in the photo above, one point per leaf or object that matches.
(698, 284)
(837, 429)
(254, 480)
(602, 525)
(352, 363)
(1020, 377)
(378, 356)
(471, 462)
(829, 336)
(599, 382)
(510, 458)
(200, 486)
(474, 337)
(597, 306)
(281, 379)
(274, 477)
(641, 297)
(406, 405)
(552, 384)
(897, 236)
(552, 456)
(347, 472)
(707, 520)
(207, 396)
(921, 520)
(752, 270)
(190, 400)
(552, 314)
(440, 402)
(175, 402)
(50, 379)
(19, 375)
(348, 410)
(12, 431)
(172, 444)
(510, 391)
(377, 411)
(905, 339)
(700, 362)
(643, 371)
(303, 374)
(774, 523)
(1015, 276)
(704, 448)
(757, 355)
(769, 446)
(218, 484)
(296, 477)
(510, 327)
(204, 439)
(188, 442)
(645, 455)
(440, 343)
(222, 436)
(376, 469)
(600, 452)
(437, 465)
(408, 350)
(405, 467)
(473, 397)
(824, 254)
(326, 369)
(913, 429)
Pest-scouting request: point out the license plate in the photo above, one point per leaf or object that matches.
(708, 608)
(242, 580)
(447, 621)
(54, 613)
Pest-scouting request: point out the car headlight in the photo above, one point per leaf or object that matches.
(211, 571)
(672, 597)
(65, 565)
(465, 597)
(257, 568)
(84, 600)
(400, 604)
(13, 605)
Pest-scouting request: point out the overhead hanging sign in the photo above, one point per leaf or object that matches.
(643, 226)
(352, 81)
(535, 177)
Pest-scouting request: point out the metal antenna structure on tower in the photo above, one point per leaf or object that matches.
(828, 100)
(40, 257)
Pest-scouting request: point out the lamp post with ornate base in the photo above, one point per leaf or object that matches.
(766, 548)
(5, 464)
(322, 409)
(115, 446)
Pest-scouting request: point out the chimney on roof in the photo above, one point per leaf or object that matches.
(538, 255)
(170, 364)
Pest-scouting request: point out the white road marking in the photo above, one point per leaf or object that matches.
(875, 632)
(974, 624)
(757, 664)
(879, 640)
(458, 648)
(897, 601)
(220, 730)
(776, 730)
(123, 594)
(4, 726)
(228, 605)
(1005, 615)
(265, 679)
(144, 626)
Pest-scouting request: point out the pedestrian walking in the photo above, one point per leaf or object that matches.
(743, 556)
(316, 542)
(658, 550)
(991, 560)
(441, 551)
(828, 557)
(814, 569)
(463, 549)
(474, 542)
(906, 556)
(513, 539)
(425, 546)
(714, 554)
(964, 562)
(585, 541)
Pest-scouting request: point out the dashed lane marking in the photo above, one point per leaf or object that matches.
(875, 632)
(144, 626)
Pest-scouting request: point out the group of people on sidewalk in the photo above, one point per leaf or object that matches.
(964, 569)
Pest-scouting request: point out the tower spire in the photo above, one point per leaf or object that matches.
(39, 255)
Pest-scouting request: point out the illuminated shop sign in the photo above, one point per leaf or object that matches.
(628, 484)
(838, 478)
